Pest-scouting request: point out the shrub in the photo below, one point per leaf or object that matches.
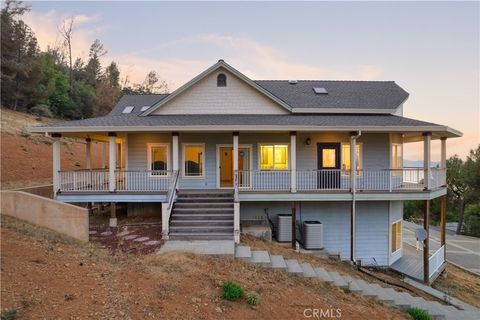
(253, 298)
(25, 134)
(9, 315)
(419, 314)
(42, 110)
(472, 220)
(231, 291)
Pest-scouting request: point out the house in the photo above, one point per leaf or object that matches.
(223, 149)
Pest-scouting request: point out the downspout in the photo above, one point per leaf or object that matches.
(353, 189)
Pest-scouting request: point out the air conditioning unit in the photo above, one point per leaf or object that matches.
(312, 235)
(284, 228)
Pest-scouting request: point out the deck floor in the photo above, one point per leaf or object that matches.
(411, 262)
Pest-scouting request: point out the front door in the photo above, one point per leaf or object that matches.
(328, 176)
(226, 174)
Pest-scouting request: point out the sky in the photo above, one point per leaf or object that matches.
(431, 49)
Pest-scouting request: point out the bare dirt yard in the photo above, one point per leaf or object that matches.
(48, 276)
(26, 159)
(459, 284)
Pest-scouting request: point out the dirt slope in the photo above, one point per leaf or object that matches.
(26, 159)
(45, 276)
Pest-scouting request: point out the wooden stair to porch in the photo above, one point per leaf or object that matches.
(202, 215)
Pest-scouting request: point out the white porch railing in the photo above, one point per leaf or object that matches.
(84, 180)
(148, 180)
(435, 261)
(366, 180)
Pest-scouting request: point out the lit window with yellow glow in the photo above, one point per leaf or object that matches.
(158, 155)
(274, 157)
(346, 156)
(193, 160)
(396, 236)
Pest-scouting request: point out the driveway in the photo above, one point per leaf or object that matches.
(461, 250)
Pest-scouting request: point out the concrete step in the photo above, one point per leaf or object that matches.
(294, 267)
(204, 205)
(398, 299)
(367, 291)
(432, 309)
(226, 223)
(243, 253)
(201, 236)
(202, 210)
(261, 257)
(201, 228)
(385, 296)
(202, 216)
(308, 271)
(352, 285)
(278, 262)
(323, 275)
(338, 280)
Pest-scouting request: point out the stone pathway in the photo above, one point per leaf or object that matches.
(402, 300)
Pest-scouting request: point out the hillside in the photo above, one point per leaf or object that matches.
(55, 278)
(26, 159)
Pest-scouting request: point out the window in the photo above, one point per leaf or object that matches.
(346, 156)
(193, 160)
(221, 80)
(274, 157)
(397, 156)
(144, 108)
(396, 236)
(158, 155)
(128, 109)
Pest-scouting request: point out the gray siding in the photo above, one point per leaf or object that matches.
(371, 231)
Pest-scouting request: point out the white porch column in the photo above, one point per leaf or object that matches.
(56, 162)
(88, 153)
(353, 161)
(112, 161)
(235, 152)
(165, 221)
(236, 221)
(293, 161)
(236, 202)
(427, 137)
(175, 151)
(104, 155)
(443, 153)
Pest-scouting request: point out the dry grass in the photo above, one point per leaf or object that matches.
(459, 284)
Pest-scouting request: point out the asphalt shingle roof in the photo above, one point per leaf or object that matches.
(315, 120)
(340, 94)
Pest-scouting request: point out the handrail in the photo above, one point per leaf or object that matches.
(172, 191)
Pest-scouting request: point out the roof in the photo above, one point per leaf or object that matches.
(354, 95)
(137, 101)
(298, 122)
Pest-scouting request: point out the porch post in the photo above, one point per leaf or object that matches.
(427, 137)
(236, 202)
(235, 152)
(353, 188)
(88, 153)
(443, 199)
(112, 161)
(175, 151)
(293, 161)
(113, 214)
(104, 155)
(426, 226)
(165, 221)
(56, 162)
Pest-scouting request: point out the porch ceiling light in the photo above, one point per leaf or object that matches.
(308, 141)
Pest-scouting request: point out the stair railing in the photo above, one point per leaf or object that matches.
(167, 207)
(236, 208)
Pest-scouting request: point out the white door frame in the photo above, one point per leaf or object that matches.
(226, 145)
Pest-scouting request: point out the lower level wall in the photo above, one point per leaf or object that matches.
(372, 225)
(144, 209)
(58, 216)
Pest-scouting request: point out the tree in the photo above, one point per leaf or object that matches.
(19, 52)
(94, 68)
(108, 91)
(151, 84)
(66, 30)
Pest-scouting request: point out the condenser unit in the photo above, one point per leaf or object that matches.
(284, 228)
(312, 235)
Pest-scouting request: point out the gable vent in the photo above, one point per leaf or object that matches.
(320, 91)
(128, 109)
(293, 81)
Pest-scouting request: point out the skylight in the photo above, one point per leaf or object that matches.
(144, 108)
(320, 91)
(128, 109)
